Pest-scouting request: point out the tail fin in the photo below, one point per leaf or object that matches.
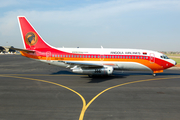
(31, 39)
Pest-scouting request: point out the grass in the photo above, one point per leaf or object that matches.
(174, 57)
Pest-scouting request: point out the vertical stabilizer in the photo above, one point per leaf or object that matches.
(31, 39)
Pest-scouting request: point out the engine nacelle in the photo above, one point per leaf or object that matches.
(94, 71)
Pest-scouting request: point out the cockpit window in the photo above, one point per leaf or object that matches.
(164, 57)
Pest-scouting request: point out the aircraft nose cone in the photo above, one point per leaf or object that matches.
(175, 63)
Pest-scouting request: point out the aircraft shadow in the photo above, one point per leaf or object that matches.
(64, 72)
(98, 79)
(95, 79)
(116, 75)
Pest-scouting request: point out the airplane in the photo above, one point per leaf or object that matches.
(90, 61)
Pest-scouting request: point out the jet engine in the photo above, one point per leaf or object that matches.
(106, 70)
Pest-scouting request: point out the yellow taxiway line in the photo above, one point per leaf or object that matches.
(82, 98)
(85, 106)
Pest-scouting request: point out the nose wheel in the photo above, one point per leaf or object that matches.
(154, 74)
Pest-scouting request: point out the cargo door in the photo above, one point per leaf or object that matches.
(48, 56)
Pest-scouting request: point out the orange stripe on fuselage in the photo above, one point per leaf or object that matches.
(146, 62)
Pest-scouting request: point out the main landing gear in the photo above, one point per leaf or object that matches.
(97, 76)
(90, 76)
(154, 74)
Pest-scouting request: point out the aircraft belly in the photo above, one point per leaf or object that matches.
(132, 66)
(61, 64)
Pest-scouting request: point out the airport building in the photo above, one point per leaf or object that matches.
(7, 49)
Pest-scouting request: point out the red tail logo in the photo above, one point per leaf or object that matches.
(32, 40)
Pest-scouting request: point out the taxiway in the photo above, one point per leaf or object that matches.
(33, 90)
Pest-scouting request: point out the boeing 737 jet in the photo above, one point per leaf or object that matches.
(90, 61)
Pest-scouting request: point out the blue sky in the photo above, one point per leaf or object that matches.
(139, 24)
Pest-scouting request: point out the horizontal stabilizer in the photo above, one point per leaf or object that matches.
(24, 50)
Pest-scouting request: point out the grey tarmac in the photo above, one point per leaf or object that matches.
(34, 90)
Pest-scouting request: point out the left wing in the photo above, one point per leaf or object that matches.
(82, 64)
(88, 64)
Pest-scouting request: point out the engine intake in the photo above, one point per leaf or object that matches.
(94, 71)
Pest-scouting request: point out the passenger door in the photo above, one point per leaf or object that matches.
(152, 58)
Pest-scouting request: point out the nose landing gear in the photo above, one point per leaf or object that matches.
(154, 74)
(156, 71)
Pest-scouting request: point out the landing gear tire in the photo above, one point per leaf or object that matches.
(90, 76)
(154, 74)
